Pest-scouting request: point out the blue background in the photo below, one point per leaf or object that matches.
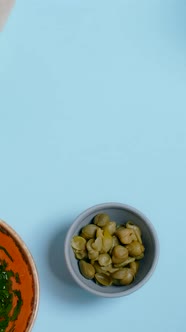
(92, 110)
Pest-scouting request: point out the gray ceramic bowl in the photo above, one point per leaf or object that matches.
(120, 213)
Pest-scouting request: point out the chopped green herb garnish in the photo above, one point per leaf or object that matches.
(7, 295)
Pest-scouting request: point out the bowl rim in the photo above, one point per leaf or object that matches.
(35, 274)
(93, 209)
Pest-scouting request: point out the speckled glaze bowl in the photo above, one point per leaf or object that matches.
(18, 263)
(121, 214)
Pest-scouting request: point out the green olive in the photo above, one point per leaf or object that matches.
(78, 243)
(89, 231)
(101, 219)
(80, 254)
(135, 248)
(97, 244)
(136, 230)
(89, 244)
(104, 259)
(128, 261)
(119, 254)
(93, 254)
(120, 274)
(86, 269)
(128, 277)
(99, 232)
(103, 279)
(106, 242)
(109, 268)
(134, 266)
(110, 227)
(125, 235)
(97, 267)
(115, 242)
(140, 256)
(116, 282)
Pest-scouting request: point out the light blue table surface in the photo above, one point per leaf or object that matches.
(92, 110)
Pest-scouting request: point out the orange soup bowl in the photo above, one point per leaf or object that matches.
(19, 283)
